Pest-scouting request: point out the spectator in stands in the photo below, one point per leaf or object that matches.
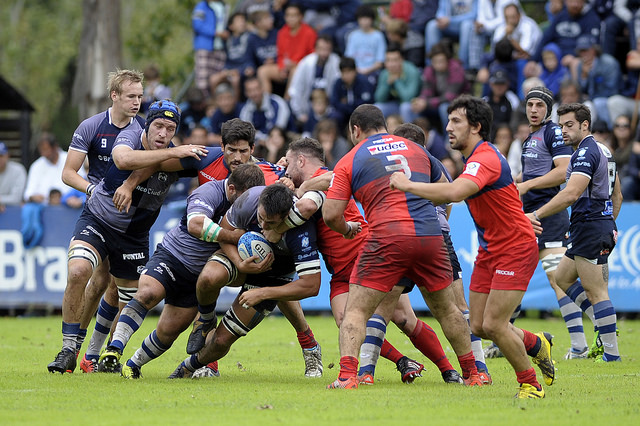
(199, 136)
(570, 92)
(393, 121)
(552, 71)
(422, 12)
(295, 41)
(622, 142)
(154, 90)
(455, 23)
(263, 38)
(411, 42)
(442, 81)
(631, 182)
(501, 59)
(227, 107)
(570, 23)
(333, 144)
(274, 147)
(615, 17)
(598, 75)
(503, 137)
(625, 102)
(45, 173)
(515, 150)
(239, 64)
(265, 110)
(522, 31)
(501, 100)
(490, 16)
(274, 7)
(349, 92)
(318, 70)
(208, 23)
(366, 44)
(398, 84)
(13, 178)
(194, 112)
(320, 110)
(601, 132)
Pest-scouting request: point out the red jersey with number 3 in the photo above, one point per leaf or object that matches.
(496, 209)
(364, 174)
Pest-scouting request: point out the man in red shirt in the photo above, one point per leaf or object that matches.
(405, 239)
(295, 41)
(508, 252)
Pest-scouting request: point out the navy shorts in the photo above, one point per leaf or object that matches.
(178, 282)
(127, 253)
(555, 231)
(261, 280)
(592, 240)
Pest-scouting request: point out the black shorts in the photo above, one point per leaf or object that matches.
(592, 240)
(555, 231)
(453, 257)
(127, 253)
(260, 280)
(178, 282)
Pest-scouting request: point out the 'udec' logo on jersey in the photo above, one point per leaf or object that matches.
(387, 147)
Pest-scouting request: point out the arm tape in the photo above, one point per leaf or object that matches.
(294, 218)
(210, 229)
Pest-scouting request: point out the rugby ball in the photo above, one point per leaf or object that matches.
(253, 243)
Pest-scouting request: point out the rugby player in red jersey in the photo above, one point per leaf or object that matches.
(405, 239)
(508, 253)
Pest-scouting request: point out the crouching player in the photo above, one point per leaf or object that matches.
(261, 209)
(172, 271)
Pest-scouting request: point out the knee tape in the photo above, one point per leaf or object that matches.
(82, 252)
(550, 262)
(222, 259)
(125, 294)
(236, 327)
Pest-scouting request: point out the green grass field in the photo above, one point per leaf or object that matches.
(263, 382)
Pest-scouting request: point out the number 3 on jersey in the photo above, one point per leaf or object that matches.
(400, 163)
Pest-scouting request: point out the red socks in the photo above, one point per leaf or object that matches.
(468, 365)
(528, 376)
(389, 352)
(426, 341)
(348, 367)
(306, 339)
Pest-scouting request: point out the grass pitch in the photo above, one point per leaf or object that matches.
(263, 383)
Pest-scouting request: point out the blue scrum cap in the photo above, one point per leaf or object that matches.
(163, 109)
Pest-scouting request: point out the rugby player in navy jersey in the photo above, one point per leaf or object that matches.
(93, 141)
(173, 270)
(593, 192)
(103, 231)
(261, 209)
(545, 158)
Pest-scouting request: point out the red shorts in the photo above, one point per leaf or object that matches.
(505, 271)
(339, 283)
(383, 263)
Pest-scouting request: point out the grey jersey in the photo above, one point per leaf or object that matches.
(211, 200)
(539, 151)
(147, 198)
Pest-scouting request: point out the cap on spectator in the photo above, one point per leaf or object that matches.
(3, 149)
(499, 77)
(600, 126)
(585, 42)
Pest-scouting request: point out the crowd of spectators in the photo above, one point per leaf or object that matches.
(300, 68)
(303, 67)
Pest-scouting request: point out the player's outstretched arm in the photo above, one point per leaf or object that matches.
(70, 175)
(333, 215)
(438, 193)
(554, 177)
(576, 185)
(126, 158)
(305, 286)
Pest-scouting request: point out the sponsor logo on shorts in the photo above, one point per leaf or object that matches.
(506, 273)
(140, 269)
(88, 228)
(132, 256)
(387, 147)
(164, 265)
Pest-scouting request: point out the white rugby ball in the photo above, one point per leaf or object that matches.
(253, 243)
